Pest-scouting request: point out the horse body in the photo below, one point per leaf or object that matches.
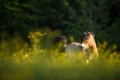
(88, 46)
(73, 47)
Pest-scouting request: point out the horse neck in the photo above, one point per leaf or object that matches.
(94, 46)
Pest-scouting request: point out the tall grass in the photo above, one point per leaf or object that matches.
(43, 61)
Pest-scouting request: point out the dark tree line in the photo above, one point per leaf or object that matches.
(72, 17)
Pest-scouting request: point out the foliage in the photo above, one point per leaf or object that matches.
(36, 62)
(72, 17)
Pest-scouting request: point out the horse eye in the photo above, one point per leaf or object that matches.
(87, 38)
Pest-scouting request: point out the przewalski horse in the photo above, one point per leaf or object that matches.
(88, 46)
(60, 43)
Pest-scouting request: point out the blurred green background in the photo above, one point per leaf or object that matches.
(72, 17)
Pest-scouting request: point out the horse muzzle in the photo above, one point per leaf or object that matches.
(82, 47)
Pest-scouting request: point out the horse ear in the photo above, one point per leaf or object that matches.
(93, 33)
(63, 37)
(85, 33)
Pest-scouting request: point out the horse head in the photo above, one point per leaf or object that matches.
(88, 40)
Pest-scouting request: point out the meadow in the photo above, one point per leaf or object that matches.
(42, 61)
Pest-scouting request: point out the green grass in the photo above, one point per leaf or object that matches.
(18, 62)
